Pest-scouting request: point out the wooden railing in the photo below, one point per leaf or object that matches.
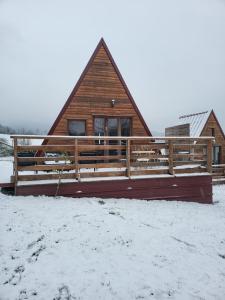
(218, 172)
(74, 158)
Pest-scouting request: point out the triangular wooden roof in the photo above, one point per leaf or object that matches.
(71, 97)
(214, 115)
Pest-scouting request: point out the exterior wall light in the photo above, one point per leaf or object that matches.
(113, 102)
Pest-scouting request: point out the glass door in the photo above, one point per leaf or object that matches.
(112, 126)
(112, 130)
(216, 154)
(99, 129)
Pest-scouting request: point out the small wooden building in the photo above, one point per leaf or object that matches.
(100, 103)
(199, 125)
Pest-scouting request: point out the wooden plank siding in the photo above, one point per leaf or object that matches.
(100, 82)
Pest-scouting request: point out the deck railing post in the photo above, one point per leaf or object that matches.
(76, 153)
(15, 144)
(128, 157)
(209, 156)
(170, 157)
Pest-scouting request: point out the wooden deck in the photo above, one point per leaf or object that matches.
(129, 167)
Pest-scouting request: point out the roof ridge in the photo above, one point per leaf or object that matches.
(192, 115)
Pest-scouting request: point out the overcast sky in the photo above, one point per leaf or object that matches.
(171, 54)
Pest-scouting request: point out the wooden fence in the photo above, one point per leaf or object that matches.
(74, 158)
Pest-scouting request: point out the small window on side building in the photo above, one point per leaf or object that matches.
(77, 127)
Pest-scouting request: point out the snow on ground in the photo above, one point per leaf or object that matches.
(6, 169)
(7, 138)
(113, 249)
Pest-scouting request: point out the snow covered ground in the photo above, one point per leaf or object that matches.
(7, 138)
(113, 249)
(6, 169)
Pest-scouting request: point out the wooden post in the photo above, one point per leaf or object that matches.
(128, 157)
(15, 164)
(76, 153)
(170, 157)
(209, 156)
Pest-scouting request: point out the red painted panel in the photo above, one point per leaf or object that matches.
(188, 188)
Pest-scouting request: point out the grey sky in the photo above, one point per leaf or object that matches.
(171, 54)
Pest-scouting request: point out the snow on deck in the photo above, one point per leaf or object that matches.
(113, 249)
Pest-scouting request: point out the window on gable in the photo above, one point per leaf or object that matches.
(77, 127)
(213, 131)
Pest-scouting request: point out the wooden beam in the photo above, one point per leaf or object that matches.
(189, 162)
(15, 163)
(209, 156)
(76, 154)
(128, 158)
(43, 158)
(101, 157)
(54, 148)
(102, 174)
(45, 176)
(52, 167)
(170, 157)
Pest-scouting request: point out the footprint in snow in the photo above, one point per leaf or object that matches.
(34, 256)
(64, 294)
(16, 276)
(29, 246)
(24, 294)
(116, 214)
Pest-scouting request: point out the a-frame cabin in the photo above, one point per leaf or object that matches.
(100, 103)
(100, 146)
(199, 125)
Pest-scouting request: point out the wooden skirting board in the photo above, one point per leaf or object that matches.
(196, 188)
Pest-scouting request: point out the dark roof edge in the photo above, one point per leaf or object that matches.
(101, 43)
(192, 115)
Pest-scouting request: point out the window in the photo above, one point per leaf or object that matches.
(99, 129)
(213, 131)
(112, 125)
(99, 126)
(77, 127)
(125, 124)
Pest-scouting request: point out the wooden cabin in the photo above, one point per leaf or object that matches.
(100, 146)
(100, 103)
(199, 125)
